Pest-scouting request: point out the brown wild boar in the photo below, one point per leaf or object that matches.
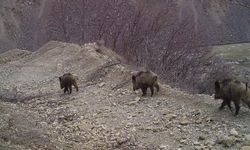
(66, 82)
(232, 90)
(144, 79)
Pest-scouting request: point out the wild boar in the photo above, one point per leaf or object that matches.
(66, 82)
(232, 90)
(144, 79)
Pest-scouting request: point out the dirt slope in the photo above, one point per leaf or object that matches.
(105, 113)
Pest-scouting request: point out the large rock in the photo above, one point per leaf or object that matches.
(247, 140)
(245, 148)
(226, 141)
(234, 132)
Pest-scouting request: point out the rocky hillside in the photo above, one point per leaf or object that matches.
(105, 113)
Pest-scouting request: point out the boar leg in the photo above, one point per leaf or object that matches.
(157, 87)
(237, 107)
(144, 91)
(65, 89)
(229, 105)
(223, 104)
(70, 89)
(152, 90)
(75, 85)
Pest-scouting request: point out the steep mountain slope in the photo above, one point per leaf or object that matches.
(31, 23)
(105, 113)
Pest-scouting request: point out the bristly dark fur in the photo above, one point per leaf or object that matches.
(144, 79)
(232, 90)
(66, 82)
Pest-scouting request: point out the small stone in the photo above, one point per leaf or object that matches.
(101, 84)
(196, 143)
(137, 99)
(234, 132)
(214, 127)
(137, 92)
(183, 141)
(123, 93)
(209, 119)
(199, 121)
(133, 115)
(139, 112)
(163, 147)
(184, 122)
(155, 130)
(170, 117)
(201, 138)
(165, 113)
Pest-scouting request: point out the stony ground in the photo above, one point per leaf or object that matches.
(105, 113)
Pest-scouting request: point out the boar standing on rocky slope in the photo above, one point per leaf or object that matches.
(66, 82)
(144, 79)
(232, 90)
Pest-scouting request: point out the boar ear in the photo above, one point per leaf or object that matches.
(217, 85)
(60, 78)
(133, 77)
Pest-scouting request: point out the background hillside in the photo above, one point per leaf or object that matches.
(163, 36)
(31, 23)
